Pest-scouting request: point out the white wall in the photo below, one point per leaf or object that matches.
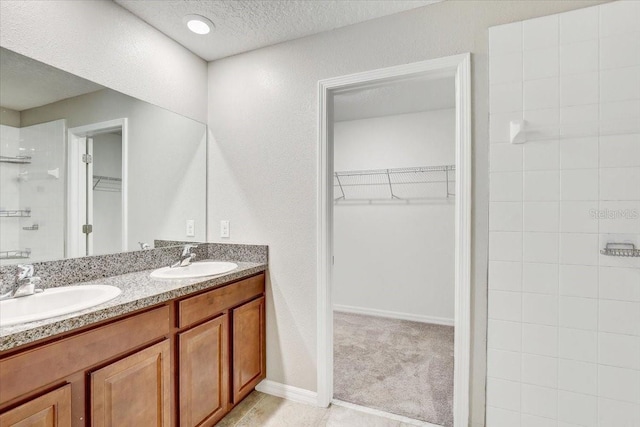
(166, 155)
(564, 320)
(396, 260)
(263, 115)
(107, 205)
(104, 43)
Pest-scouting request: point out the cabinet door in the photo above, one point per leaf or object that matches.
(248, 347)
(134, 391)
(50, 410)
(204, 373)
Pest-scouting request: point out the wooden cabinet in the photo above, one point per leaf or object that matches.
(134, 391)
(248, 347)
(186, 362)
(230, 313)
(52, 409)
(204, 372)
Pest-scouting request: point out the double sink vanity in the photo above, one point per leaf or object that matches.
(165, 346)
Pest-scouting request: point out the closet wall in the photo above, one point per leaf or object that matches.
(107, 194)
(395, 259)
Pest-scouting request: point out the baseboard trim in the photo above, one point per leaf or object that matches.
(393, 315)
(288, 392)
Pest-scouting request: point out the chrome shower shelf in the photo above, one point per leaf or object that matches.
(21, 160)
(20, 213)
(399, 184)
(620, 249)
(17, 254)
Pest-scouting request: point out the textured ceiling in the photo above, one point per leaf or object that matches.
(408, 96)
(243, 25)
(26, 83)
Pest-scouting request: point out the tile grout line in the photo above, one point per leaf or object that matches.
(559, 247)
(251, 408)
(522, 206)
(597, 334)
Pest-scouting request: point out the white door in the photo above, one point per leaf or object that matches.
(83, 208)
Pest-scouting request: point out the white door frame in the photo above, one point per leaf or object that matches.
(458, 66)
(75, 184)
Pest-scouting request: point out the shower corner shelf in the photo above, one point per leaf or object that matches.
(21, 160)
(620, 249)
(34, 227)
(395, 185)
(20, 213)
(16, 254)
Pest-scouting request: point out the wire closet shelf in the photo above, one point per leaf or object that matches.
(423, 183)
(107, 183)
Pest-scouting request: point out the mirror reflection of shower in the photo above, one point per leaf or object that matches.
(32, 170)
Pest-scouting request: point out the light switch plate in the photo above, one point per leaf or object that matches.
(191, 228)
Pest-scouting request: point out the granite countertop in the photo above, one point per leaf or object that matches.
(138, 291)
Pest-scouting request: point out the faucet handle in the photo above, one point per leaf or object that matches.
(24, 271)
(186, 250)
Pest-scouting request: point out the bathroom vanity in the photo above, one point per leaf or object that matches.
(185, 356)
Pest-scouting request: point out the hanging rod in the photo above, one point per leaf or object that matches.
(414, 183)
(17, 159)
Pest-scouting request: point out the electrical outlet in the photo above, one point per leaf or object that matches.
(191, 228)
(224, 228)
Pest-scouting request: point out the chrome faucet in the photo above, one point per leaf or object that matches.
(186, 257)
(25, 283)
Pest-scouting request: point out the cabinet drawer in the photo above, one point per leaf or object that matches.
(31, 369)
(203, 306)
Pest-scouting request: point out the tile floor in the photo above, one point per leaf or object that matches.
(262, 410)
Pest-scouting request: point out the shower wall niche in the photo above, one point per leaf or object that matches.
(32, 178)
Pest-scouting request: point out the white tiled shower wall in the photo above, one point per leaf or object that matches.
(39, 186)
(564, 321)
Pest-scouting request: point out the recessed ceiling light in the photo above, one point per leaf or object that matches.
(198, 24)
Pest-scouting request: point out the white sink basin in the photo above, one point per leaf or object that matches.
(54, 302)
(196, 269)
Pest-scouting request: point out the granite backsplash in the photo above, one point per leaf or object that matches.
(74, 270)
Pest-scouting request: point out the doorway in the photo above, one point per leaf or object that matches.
(455, 68)
(97, 196)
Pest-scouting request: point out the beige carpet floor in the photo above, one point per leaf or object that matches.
(397, 366)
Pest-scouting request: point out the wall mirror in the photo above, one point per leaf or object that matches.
(86, 170)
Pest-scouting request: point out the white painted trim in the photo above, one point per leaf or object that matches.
(75, 196)
(457, 66)
(74, 135)
(288, 392)
(462, 310)
(382, 414)
(89, 181)
(393, 314)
